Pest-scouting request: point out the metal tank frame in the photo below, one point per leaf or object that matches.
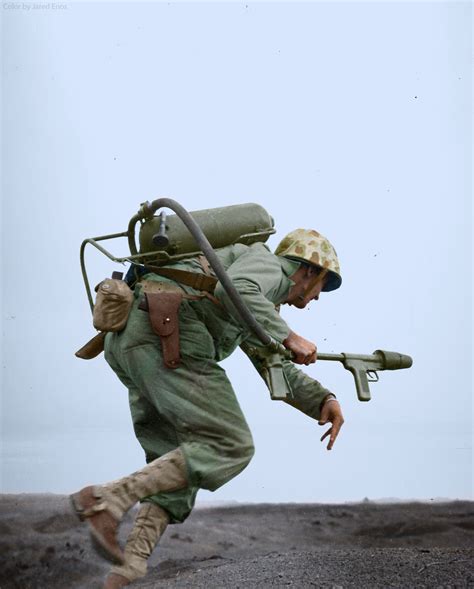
(145, 214)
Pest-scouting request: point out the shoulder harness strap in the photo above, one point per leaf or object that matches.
(195, 280)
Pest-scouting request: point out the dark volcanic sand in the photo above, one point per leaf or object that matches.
(361, 545)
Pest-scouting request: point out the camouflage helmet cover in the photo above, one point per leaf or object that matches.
(309, 246)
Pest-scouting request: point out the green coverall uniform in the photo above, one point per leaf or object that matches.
(194, 406)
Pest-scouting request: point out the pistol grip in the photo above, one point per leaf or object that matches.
(359, 371)
(278, 385)
(275, 378)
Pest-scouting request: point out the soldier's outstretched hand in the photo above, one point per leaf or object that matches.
(332, 413)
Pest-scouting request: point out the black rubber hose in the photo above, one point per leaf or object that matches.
(246, 316)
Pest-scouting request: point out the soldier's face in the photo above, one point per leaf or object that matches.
(308, 287)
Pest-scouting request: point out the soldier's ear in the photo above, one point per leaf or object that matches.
(306, 271)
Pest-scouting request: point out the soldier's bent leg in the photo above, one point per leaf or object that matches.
(196, 399)
(157, 437)
(149, 526)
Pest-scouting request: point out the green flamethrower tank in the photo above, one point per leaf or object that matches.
(171, 240)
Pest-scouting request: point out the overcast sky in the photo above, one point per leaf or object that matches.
(349, 118)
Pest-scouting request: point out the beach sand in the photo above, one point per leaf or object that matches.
(363, 545)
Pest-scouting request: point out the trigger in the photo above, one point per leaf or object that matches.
(372, 376)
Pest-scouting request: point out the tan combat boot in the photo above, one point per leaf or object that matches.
(149, 526)
(104, 506)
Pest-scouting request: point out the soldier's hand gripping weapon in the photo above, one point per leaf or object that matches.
(245, 224)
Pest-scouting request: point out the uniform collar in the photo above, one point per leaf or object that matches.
(289, 267)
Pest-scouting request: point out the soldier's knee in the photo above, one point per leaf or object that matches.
(249, 451)
(246, 450)
(238, 449)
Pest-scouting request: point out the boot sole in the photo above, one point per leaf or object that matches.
(102, 550)
(96, 538)
(76, 507)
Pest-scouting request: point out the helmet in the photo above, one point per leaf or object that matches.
(307, 245)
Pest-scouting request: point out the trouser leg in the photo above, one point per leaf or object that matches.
(196, 400)
(157, 437)
(192, 407)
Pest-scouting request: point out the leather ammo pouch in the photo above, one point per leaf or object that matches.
(162, 301)
(113, 303)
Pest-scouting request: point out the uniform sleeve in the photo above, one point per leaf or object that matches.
(307, 393)
(257, 276)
